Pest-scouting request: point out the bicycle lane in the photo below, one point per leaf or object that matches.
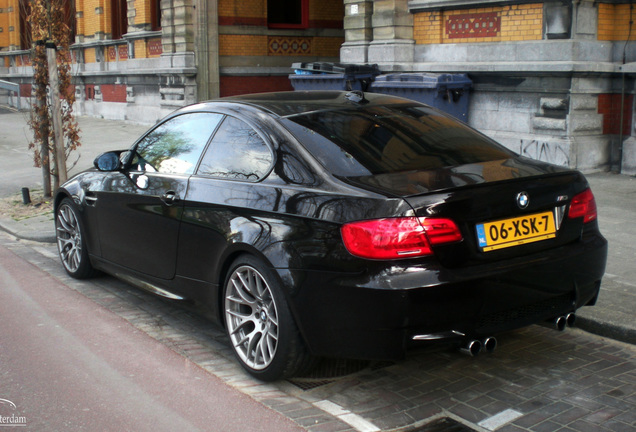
(68, 364)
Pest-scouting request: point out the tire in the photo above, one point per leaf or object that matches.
(262, 331)
(71, 243)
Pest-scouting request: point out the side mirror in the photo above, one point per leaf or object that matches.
(108, 161)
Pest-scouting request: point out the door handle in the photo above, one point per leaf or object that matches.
(169, 198)
(90, 198)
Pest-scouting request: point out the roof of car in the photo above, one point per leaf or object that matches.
(298, 102)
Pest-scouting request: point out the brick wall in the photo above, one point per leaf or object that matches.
(610, 106)
(4, 24)
(12, 29)
(253, 13)
(242, 45)
(25, 90)
(95, 18)
(141, 12)
(327, 47)
(237, 85)
(327, 14)
(113, 92)
(242, 12)
(492, 24)
(614, 22)
(89, 55)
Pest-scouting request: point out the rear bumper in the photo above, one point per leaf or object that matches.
(385, 311)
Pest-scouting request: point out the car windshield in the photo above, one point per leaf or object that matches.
(390, 139)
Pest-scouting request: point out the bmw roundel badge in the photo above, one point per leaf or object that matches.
(523, 200)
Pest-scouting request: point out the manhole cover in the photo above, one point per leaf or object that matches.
(444, 424)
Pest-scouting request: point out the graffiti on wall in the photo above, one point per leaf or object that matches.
(545, 151)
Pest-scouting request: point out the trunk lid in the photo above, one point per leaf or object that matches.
(485, 198)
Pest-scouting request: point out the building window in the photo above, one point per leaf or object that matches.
(155, 14)
(119, 18)
(288, 13)
(68, 17)
(25, 25)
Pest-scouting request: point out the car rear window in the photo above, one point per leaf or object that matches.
(390, 139)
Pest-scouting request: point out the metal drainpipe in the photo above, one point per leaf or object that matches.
(622, 107)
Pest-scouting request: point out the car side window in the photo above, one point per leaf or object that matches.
(236, 152)
(174, 146)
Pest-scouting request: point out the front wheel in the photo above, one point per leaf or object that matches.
(71, 244)
(259, 323)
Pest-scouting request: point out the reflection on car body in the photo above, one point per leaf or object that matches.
(321, 224)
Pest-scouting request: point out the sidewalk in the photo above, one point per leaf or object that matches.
(612, 317)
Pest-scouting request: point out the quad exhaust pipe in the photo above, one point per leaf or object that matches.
(473, 347)
(561, 322)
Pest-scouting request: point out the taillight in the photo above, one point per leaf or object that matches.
(396, 238)
(583, 205)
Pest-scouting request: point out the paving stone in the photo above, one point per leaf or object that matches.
(570, 415)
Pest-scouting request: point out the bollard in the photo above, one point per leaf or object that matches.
(26, 197)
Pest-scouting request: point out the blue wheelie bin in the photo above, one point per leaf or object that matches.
(447, 92)
(332, 76)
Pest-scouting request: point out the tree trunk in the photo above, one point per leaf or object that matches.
(56, 119)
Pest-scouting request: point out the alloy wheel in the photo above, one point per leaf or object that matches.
(251, 317)
(69, 238)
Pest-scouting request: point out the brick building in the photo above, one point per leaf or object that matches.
(553, 80)
(140, 59)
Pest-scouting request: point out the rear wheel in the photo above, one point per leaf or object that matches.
(260, 326)
(71, 244)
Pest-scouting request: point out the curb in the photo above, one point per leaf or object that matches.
(606, 329)
(41, 236)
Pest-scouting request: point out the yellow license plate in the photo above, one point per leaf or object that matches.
(516, 231)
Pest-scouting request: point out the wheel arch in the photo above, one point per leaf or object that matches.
(70, 190)
(225, 266)
(231, 255)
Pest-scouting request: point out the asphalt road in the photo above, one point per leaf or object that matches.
(70, 365)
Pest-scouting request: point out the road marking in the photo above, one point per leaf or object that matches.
(346, 416)
(498, 420)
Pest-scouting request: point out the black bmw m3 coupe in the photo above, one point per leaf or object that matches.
(336, 224)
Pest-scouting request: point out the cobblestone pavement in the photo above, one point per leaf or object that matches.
(537, 380)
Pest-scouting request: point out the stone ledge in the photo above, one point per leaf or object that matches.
(547, 123)
(513, 66)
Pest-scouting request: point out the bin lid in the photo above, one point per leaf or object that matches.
(337, 68)
(423, 80)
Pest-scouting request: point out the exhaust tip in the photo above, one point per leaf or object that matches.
(472, 348)
(560, 323)
(570, 319)
(557, 323)
(490, 344)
